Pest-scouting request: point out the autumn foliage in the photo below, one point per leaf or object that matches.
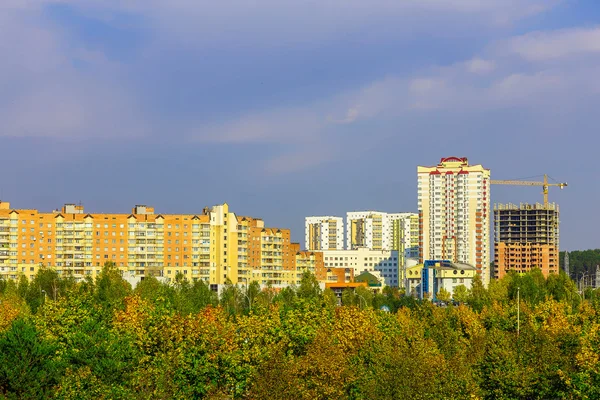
(104, 340)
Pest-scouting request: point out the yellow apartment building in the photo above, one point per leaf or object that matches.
(215, 245)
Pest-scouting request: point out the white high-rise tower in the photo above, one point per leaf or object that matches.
(454, 203)
(324, 233)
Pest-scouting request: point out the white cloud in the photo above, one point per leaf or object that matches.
(517, 86)
(424, 85)
(292, 125)
(351, 115)
(472, 87)
(540, 46)
(274, 23)
(480, 66)
(48, 96)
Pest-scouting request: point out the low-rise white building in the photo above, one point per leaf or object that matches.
(381, 263)
(426, 280)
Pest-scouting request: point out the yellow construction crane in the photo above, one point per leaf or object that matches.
(545, 185)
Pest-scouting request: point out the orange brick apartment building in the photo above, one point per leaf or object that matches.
(215, 245)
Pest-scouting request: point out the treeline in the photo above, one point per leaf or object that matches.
(580, 262)
(101, 339)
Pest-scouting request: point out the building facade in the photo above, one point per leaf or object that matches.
(381, 263)
(378, 230)
(453, 204)
(405, 235)
(215, 245)
(526, 237)
(426, 280)
(324, 233)
(365, 229)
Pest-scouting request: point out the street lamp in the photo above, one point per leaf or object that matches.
(44, 304)
(518, 310)
(249, 302)
(582, 287)
(361, 298)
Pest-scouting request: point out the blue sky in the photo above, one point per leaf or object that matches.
(286, 109)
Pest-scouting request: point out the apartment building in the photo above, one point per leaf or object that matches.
(381, 263)
(309, 261)
(405, 235)
(525, 237)
(324, 233)
(215, 245)
(378, 230)
(453, 204)
(368, 229)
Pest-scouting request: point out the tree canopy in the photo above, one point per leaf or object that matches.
(102, 339)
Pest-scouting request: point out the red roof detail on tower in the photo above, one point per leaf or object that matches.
(453, 159)
(463, 172)
(436, 172)
(449, 173)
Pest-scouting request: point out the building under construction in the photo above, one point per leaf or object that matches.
(525, 237)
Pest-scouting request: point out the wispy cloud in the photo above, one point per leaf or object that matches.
(480, 66)
(540, 46)
(284, 125)
(352, 114)
(299, 159)
(273, 23)
(49, 94)
(480, 84)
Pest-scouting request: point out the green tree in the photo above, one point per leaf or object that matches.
(478, 295)
(251, 294)
(364, 297)
(309, 288)
(443, 295)
(48, 285)
(231, 298)
(202, 296)
(330, 299)
(156, 292)
(266, 297)
(499, 372)
(287, 296)
(348, 297)
(23, 286)
(498, 289)
(560, 287)
(3, 285)
(111, 289)
(461, 294)
(28, 368)
(531, 285)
